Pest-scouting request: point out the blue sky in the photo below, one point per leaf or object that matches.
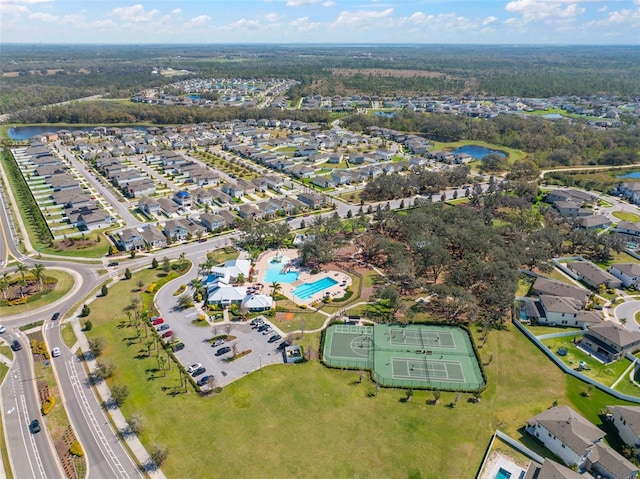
(321, 21)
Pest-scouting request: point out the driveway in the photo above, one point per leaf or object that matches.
(628, 310)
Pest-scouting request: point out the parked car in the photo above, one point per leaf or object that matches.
(204, 380)
(167, 334)
(157, 320)
(282, 345)
(267, 330)
(217, 342)
(163, 327)
(112, 264)
(55, 352)
(15, 345)
(198, 372)
(192, 367)
(256, 321)
(177, 347)
(274, 338)
(55, 316)
(222, 351)
(262, 327)
(34, 426)
(2, 329)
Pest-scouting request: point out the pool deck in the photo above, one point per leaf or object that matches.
(305, 276)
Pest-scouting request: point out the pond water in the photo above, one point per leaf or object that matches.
(478, 152)
(552, 116)
(386, 114)
(26, 132)
(631, 174)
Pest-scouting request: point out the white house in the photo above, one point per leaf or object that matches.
(628, 273)
(565, 311)
(626, 419)
(565, 433)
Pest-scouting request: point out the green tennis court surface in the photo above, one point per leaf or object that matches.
(412, 356)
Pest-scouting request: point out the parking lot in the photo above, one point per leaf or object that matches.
(198, 348)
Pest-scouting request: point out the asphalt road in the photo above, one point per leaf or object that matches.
(32, 454)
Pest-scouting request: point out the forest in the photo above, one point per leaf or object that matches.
(35, 75)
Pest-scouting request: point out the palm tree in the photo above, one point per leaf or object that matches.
(205, 267)
(198, 287)
(22, 269)
(4, 285)
(275, 288)
(38, 271)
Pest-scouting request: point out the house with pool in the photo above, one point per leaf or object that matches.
(298, 283)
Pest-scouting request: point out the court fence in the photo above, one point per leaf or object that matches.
(386, 381)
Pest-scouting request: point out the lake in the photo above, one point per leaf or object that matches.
(632, 174)
(478, 152)
(26, 132)
(386, 114)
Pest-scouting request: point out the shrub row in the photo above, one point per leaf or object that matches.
(48, 405)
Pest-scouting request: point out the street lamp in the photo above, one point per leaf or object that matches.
(260, 356)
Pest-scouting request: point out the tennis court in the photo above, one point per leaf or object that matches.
(410, 356)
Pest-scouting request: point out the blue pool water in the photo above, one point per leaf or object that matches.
(274, 272)
(478, 152)
(502, 474)
(306, 290)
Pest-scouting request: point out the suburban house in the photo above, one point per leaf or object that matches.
(183, 198)
(313, 200)
(176, 230)
(571, 209)
(212, 222)
(578, 443)
(551, 470)
(149, 206)
(593, 275)
(202, 196)
(557, 288)
(129, 239)
(631, 191)
(233, 190)
(576, 196)
(626, 419)
(564, 311)
(565, 433)
(247, 211)
(610, 341)
(153, 237)
(257, 302)
(629, 228)
(594, 222)
(323, 182)
(222, 294)
(627, 273)
(234, 268)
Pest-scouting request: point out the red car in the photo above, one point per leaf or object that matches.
(157, 321)
(167, 334)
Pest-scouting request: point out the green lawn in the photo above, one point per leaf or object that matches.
(626, 216)
(315, 422)
(64, 284)
(616, 258)
(309, 319)
(219, 256)
(606, 374)
(540, 330)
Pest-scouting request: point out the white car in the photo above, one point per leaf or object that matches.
(2, 329)
(55, 352)
(191, 368)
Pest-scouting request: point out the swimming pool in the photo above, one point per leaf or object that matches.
(274, 271)
(502, 474)
(306, 290)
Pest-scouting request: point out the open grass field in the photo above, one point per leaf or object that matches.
(617, 258)
(316, 422)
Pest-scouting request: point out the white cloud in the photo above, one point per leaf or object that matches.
(197, 22)
(301, 3)
(532, 10)
(25, 2)
(244, 24)
(329, 3)
(303, 24)
(133, 14)
(361, 18)
(272, 17)
(107, 25)
(603, 9)
(489, 20)
(177, 11)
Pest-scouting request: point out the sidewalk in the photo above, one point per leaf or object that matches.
(133, 443)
